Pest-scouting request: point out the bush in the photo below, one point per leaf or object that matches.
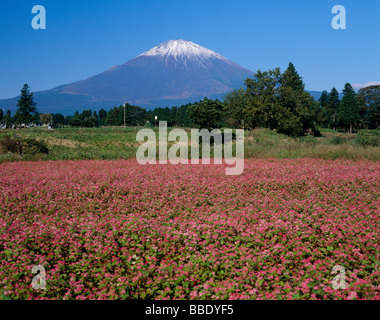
(15, 144)
(33, 146)
(336, 140)
(317, 133)
(367, 139)
(11, 144)
(212, 140)
(148, 125)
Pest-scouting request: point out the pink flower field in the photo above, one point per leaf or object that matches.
(120, 230)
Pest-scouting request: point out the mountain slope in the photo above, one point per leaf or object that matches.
(176, 71)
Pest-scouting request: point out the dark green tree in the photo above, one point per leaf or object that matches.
(163, 114)
(26, 107)
(235, 108)
(348, 111)
(17, 118)
(88, 119)
(134, 116)
(295, 105)
(322, 115)
(8, 119)
(273, 100)
(46, 118)
(58, 120)
(182, 116)
(323, 99)
(115, 117)
(291, 79)
(207, 114)
(102, 116)
(331, 109)
(75, 121)
(173, 113)
(1, 115)
(262, 97)
(369, 106)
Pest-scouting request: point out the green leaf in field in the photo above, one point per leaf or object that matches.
(8, 252)
(296, 295)
(5, 297)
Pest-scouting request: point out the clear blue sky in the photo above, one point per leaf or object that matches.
(84, 38)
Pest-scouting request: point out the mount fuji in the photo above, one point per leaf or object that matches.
(173, 73)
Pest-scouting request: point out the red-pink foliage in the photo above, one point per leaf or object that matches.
(119, 230)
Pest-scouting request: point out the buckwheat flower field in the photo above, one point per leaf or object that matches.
(120, 230)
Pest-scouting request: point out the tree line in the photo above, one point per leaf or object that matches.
(270, 99)
(279, 101)
(355, 110)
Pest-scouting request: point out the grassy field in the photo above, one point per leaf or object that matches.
(119, 143)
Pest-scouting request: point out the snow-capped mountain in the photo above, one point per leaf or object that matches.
(172, 73)
(183, 52)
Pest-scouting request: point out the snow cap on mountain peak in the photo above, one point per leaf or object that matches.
(182, 50)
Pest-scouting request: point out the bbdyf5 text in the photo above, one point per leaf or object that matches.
(199, 309)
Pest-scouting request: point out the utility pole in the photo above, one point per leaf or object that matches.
(124, 115)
